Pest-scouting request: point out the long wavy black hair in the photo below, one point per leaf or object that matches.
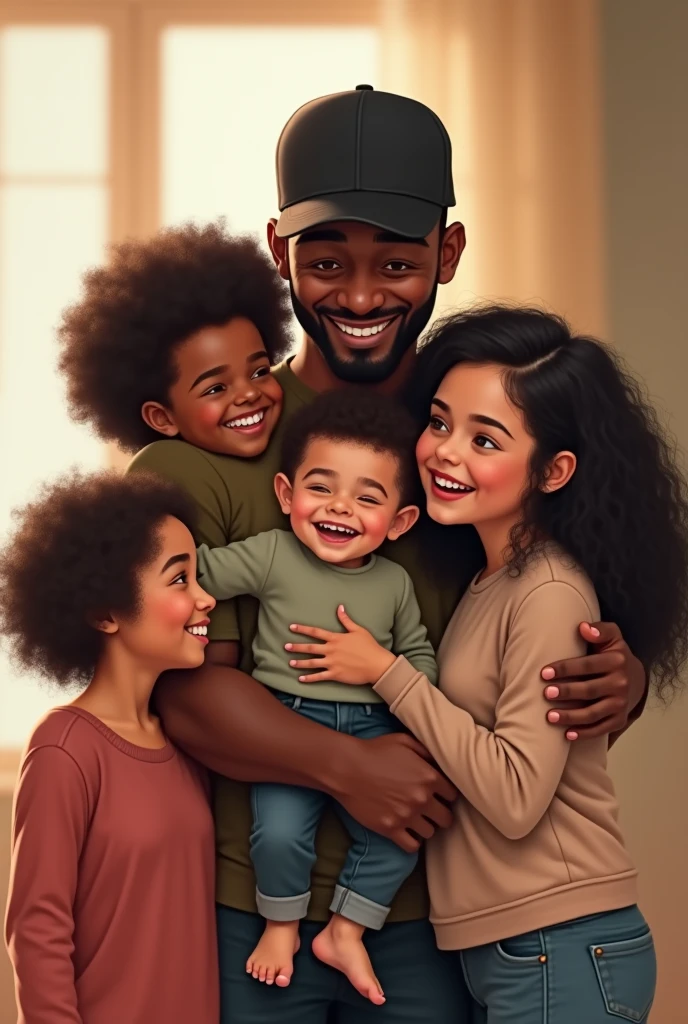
(623, 516)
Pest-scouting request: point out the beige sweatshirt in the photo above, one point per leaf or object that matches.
(535, 840)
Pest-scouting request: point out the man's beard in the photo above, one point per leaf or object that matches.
(362, 367)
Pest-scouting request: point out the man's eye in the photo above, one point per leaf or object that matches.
(326, 265)
(397, 265)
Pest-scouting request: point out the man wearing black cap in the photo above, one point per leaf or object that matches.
(364, 183)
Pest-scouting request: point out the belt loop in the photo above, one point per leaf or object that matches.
(297, 703)
(368, 709)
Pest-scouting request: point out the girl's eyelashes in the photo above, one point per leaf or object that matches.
(436, 423)
(262, 371)
(482, 441)
(181, 578)
(216, 389)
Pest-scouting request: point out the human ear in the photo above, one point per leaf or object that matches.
(559, 471)
(157, 417)
(403, 521)
(103, 623)
(284, 492)
(279, 247)
(451, 247)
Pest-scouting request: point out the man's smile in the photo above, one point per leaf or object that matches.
(365, 333)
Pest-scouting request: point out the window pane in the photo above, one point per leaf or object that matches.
(226, 97)
(48, 236)
(53, 83)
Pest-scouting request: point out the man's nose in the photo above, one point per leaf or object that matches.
(361, 295)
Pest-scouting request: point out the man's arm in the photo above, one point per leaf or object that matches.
(608, 689)
(233, 725)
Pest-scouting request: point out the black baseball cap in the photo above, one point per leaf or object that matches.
(366, 156)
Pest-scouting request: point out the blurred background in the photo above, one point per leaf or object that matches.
(568, 121)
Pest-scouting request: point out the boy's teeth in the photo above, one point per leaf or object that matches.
(450, 485)
(361, 332)
(197, 630)
(336, 529)
(247, 421)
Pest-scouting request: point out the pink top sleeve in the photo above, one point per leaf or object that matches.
(50, 824)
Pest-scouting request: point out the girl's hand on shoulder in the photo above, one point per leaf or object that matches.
(354, 657)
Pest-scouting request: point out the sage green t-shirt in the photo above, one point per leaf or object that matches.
(235, 499)
(294, 585)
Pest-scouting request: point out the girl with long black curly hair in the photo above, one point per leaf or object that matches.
(542, 444)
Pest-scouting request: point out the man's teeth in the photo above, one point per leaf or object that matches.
(336, 529)
(362, 332)
(197, 630)
(247, 421)
(451, 485)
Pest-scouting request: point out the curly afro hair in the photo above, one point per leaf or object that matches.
(357, 416)
(117, 343)
(78, 551)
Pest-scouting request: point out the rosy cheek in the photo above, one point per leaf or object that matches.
(425, 447)
(302, 507)
(173, 609)
(498, 474)
(376, 526)
(207, 413)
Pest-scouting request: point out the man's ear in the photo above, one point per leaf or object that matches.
(403, 521)
(284, 492)
(157, 417)
(452, 245)
(279, 247)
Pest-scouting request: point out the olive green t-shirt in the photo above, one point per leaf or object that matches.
(235, 499)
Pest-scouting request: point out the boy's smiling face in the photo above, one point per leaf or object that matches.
(224, 399)
(344, 501)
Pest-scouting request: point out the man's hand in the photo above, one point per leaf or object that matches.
(595, 694)
(390, 787)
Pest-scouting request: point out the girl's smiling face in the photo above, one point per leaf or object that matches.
(475, 454)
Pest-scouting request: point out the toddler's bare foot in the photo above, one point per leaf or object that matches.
(273, 958)
(340, 944)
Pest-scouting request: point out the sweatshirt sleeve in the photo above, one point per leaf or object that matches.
(239, 568)
(409, 636)
(50, 825)
(509, 773)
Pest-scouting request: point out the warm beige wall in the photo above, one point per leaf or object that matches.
(646, 112)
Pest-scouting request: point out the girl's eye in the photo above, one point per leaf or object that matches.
(262, 371)
(181, 578)
(326, 265)
(485, 442)
(437, 424)
(216, 389)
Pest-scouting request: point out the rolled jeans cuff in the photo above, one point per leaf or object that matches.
(282, 908)
(358, 909)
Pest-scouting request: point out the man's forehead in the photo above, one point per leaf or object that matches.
(343, 232)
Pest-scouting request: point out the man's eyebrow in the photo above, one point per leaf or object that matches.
(317, 470)
(324, 235)
(487, 421)
(390, 236)
(368, 481)
(172, 561)
(214, 372)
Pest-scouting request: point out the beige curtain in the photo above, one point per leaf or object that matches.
(516, 82)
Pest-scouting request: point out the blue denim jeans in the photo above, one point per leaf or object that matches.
(285, 821)
(592, 970)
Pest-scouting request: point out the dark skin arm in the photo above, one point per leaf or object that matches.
(233, 725)
(601, 693)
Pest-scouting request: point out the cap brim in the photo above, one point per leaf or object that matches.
(403, 215)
